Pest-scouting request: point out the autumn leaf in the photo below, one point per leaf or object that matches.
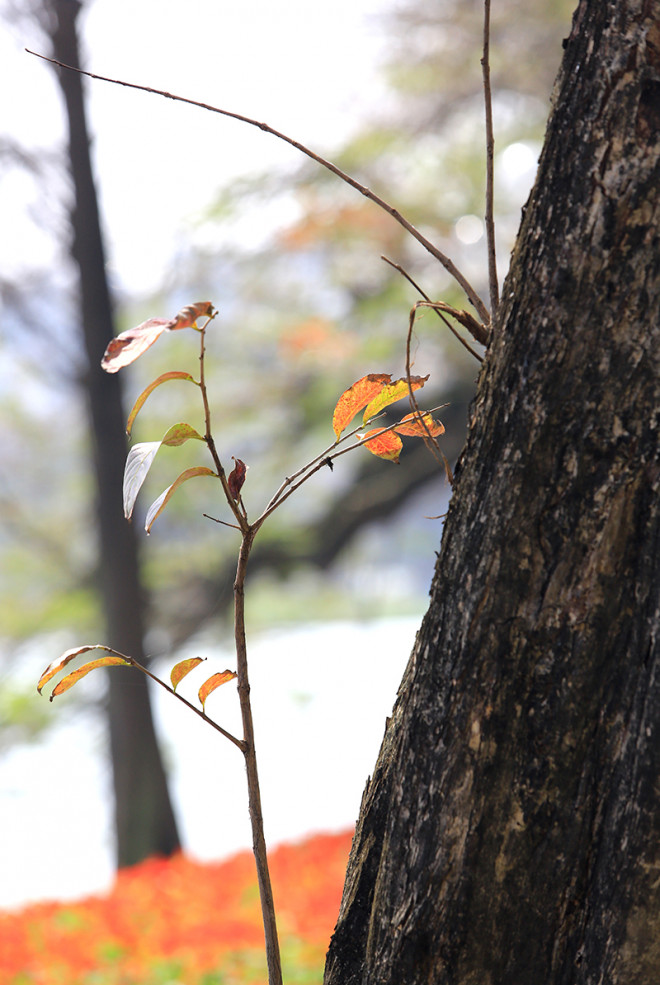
(76, 675)
(214, 682)
(130, 345)
(237, 477)
(412, 426)
(183, 668)
(187, 317)
(390, 394)
(142, 455)
(56, 666)
(385, 444)
(355, 398)
(164, 378)
(159, 504)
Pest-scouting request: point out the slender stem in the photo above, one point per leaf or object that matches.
(490, 145)
(188, 704)
(449, 266)
(208, 436)
(397, 266)
(254, 796)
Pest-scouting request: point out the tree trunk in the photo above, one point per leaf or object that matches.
(145, 823)
(510, 834)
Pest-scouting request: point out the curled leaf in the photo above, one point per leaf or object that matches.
(419, 426)
(236, 477)
(140, 457)
(56, 666)
(130, 345)
(390, 394)
(213, 683)
(383, 444)
(183, 668)
(164, 378)
(355, 398)
(187, 317)
(159, 504)
(76, 675)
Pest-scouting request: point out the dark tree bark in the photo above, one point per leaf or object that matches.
(511, 830)
(145, 823)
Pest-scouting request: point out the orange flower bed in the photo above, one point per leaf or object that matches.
(179, 922)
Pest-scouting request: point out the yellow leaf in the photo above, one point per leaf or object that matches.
(57, 665)
(412, 426)
(383, 444)
(76, 675)
(390, 394)
(216, 681)
(164, 378)
(180, 670)
(356, 397)
(159, 504)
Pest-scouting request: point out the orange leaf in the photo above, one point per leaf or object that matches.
(412, 426)
(212, 683)
(75, 676)
(390, 394)
(385, 444)
(56, 666)
(187, 317)
(159, 504)
(130, 345)
(180, 670)
(139, 403)
(356, 397)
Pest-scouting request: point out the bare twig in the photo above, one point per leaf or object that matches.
(449, 266)
(429, 440)
(490, 144)
(437, 308)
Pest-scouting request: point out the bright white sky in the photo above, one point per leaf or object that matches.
(307, 69)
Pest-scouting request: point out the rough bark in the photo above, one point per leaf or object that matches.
(145, 823)
(511, 830)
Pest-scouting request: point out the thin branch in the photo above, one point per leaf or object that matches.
(429, 439)
(490, 144)
(209, 721)
(438, 311)
(449, 266)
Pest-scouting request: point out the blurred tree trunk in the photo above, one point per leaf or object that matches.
(145, 823)
(510, 834)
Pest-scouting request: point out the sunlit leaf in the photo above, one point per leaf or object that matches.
(183, 668)
(130, 345)
(142, 455)
(355, 398)
(386, 444)
(137, 465)
(76, 675)
(164, 378)
(412, 426)
(236, 477)
(390, 394)
(213, 683)
(187, 317)
(56, 666)
(158, 505)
